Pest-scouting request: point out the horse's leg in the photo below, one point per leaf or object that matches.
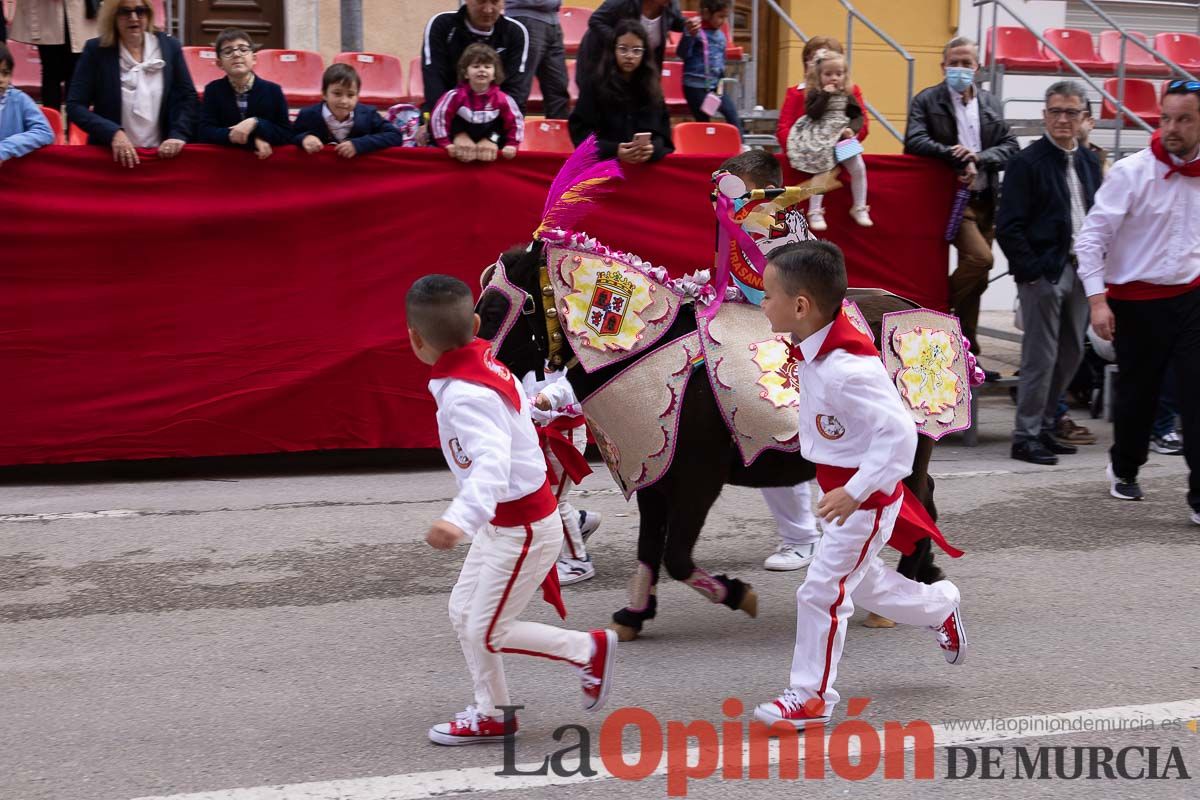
(652, 534)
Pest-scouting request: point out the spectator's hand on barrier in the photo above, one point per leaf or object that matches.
(837, 506)
(124, 153)
(967, 176)
(240, 133)
(847, 133)
(963, 153)
(346, 149)
(262, 149)
(170, 148)
(486, 150)
(311, 144)
(443, 535)
(1103, 321)
(691, 26)
(510, 151)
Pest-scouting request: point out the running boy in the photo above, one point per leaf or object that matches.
(854, 428)
(504, 506)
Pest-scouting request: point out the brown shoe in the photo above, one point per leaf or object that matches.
(1069, 432)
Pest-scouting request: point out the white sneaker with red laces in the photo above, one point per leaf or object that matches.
(596, 677)
(793, 708)
(471, 727)
(952, 637)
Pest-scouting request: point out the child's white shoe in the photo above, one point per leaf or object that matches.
(859, 214)
(816, 220)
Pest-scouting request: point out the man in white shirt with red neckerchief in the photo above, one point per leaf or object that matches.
(1139, 260)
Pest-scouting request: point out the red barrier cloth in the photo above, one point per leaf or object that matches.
(218, 305)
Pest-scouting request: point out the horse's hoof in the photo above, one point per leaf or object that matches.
(873, 620)
(624, 632)
(749, 602)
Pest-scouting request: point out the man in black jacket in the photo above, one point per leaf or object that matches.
(1048, 188)
(448, 34)
(960, 124)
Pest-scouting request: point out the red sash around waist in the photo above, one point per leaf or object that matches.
(553, 439)
(527, 510)
(914, 522)
(1140, 290)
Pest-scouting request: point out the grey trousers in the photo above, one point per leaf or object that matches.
(1055, 317)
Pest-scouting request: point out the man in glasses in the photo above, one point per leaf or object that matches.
(1048, 188)
(1139, 260)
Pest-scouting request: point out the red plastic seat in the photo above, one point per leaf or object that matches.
(1018, 49)
(1078, 46)
(55, 120)
(298, 72)
(75, 134)
(202, 64)
(574, 22)
(536, 100)
(1182, 48)
(1140, 100)
(27, 69)
(707, 138)
(382, 77)
(1137, 60)
(416, 83)
(672, 86)
(547, 136)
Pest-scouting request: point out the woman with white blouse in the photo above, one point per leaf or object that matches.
(131, 87)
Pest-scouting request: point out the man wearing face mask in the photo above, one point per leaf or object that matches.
(962, 125)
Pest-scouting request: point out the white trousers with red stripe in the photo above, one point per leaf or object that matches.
(572, 546)
(847, 571)
(792, 508)
(503, 571)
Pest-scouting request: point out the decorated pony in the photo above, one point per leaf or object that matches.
(683, 385)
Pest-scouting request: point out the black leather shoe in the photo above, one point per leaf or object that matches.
(1057, 446)
(1034, 452)
(990, 375)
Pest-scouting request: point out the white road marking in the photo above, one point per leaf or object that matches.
(116, 512)
(419, 785)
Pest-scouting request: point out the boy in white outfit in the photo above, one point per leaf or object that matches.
(853, 426)
(504, 506)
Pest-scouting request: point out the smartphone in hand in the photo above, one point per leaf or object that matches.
(642, 138)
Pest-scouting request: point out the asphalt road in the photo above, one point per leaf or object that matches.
(160, 637)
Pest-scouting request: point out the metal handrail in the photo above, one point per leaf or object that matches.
(1125, 36)
(787, 20)
(852, 14)
(1118, 101)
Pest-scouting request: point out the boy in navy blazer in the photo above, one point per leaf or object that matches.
(340, 120)
(242, 109)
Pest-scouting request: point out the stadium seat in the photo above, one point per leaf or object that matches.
(1078, 46)
(55, 120)
(1018, 49)
(382, 77)
(416, 83)
(298, 72)
(707, 138)
(547, 136)
(672, 87)
(536, 100)
(75, 134)
(1140, 100)
(574, 22)
(1182, 48)
(27, 69)
(1137, 60)
(202, 64)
